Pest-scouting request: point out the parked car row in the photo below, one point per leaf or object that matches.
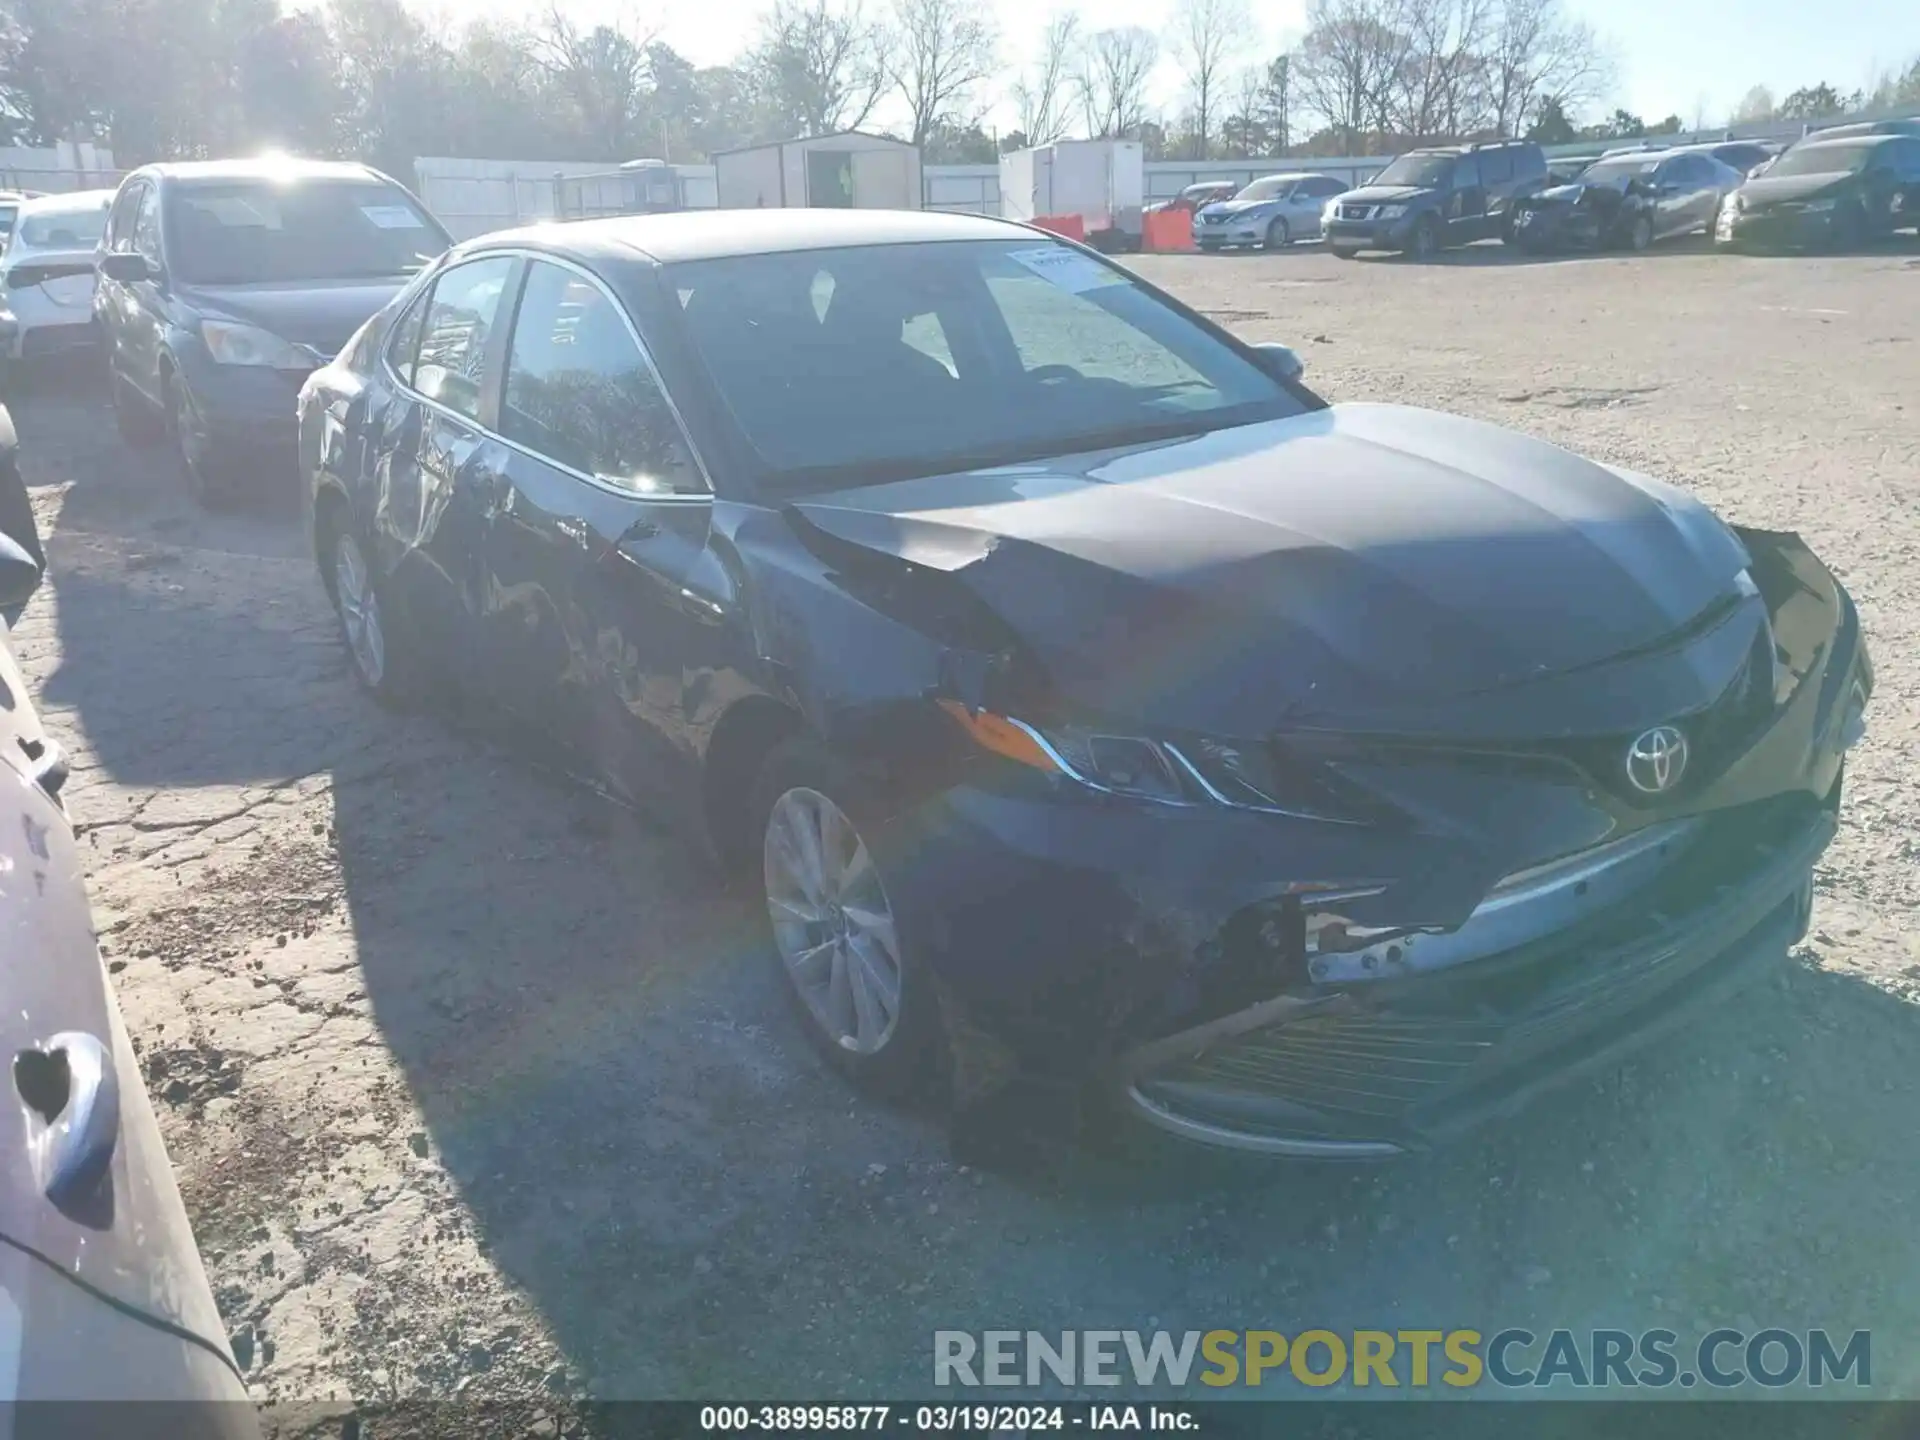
(1849, 183)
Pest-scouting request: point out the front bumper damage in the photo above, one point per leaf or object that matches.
(1294, 987)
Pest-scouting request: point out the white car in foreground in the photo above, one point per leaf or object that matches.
(47, 275)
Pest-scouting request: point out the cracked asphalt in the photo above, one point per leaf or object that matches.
(479, 1086)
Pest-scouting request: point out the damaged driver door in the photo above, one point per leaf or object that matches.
(610, 516)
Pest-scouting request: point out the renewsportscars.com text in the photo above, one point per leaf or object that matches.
(1412, 1359)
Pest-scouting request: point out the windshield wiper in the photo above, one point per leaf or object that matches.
(879, 472)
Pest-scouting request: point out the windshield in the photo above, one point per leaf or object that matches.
(1822, 160)
(870, 363)
(1426, 171)
(72, 229)
(252, 232)
(1618, 172)
(1267, 189)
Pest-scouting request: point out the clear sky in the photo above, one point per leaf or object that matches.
(1684, 56)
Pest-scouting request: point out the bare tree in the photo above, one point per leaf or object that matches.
(1206, 34)
(1348, 64)
(940, 49)
(602, 71)
(1756, 104)
(1041, 97)
(1537, 53)
(817, 67)
(1439, 80)
(1115, 66)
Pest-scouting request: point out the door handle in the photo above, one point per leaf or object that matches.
(46, 765)
(70, 1087)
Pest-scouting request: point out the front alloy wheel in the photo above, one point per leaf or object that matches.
(1424, 244)
(832, 923)
(1641, 236)
(1279, 236)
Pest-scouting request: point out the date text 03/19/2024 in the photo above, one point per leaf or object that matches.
(973, 1419)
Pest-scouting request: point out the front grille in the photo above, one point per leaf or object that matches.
(1356, 212)
(1391, 1061)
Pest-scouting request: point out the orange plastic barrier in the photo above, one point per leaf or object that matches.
(1070, 226)
(1166, 230)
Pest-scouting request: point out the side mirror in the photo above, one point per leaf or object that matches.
(1282, 362)
(19, 574)
(126, 267)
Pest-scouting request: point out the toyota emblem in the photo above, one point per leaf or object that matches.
(1656, 760)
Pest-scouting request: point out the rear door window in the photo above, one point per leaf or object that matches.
(581, 392)
(457, 327)
(1496, 166)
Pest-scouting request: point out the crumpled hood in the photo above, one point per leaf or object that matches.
(323, 314)
(1348, 562)
(1776, 189)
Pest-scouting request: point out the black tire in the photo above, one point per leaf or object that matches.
(202, 468)
(908, 1061)
(1343, 252)
(1279, 234)
(397, 681)
(137, 421)
(1640, 237)
(1424, 243)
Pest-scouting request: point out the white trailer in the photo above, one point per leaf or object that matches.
(853, 171)
(1104, 182)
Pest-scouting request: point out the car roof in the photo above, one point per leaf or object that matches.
(714, 234)
(75, 201)
(262, 167)
(1835, 142)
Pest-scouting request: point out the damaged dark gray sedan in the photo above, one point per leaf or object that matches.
(1103, 714)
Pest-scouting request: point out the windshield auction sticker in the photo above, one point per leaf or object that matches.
(1068, 269)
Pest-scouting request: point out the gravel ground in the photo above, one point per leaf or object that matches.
(477, 1086)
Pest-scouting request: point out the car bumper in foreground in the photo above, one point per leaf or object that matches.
(1374, 1070)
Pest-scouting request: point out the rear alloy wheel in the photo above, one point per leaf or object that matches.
(1279, 234)
(1641, 236)
(867, 1004)
(382, 667)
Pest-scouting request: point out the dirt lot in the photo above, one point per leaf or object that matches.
(477, 1086)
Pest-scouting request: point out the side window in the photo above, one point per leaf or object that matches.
(126, 208)
(1496, 166)
(459, 319)
(146, 225)
(403, 345)
(1466, 172)
(1326, 187)
(580, 391)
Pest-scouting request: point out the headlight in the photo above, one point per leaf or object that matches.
(1819, 207)
(231, 343)
(1332, 210)
(1733, 204)
(1184, 772)
(1392, 212)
